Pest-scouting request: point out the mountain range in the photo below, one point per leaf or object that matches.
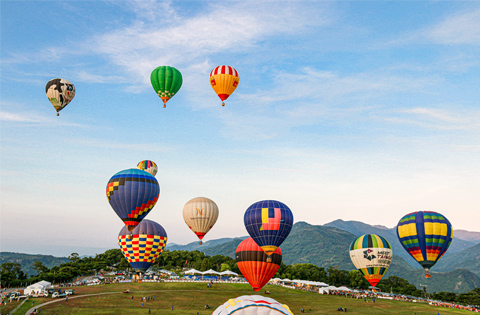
(327, 245)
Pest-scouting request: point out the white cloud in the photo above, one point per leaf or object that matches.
(461, 28)
(33, 118)
(108, 144)
(219, 27)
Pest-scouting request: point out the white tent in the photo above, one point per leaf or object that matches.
(343, 288)
(210, 272)
(228, 273)
(193, 272)
(37, 287)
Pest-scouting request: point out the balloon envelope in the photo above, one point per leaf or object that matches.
(268, 222)
(60, 92)
(426, 236)
(224, 80)
(132, 194)
(252, 262)
(252, 305)
(166, 81)
(148, 166)
(371, 254)
(200, 214)
(143, 245)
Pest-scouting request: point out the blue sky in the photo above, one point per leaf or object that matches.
(352, 110)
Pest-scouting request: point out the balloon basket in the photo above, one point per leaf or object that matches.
(58, 114)
(200, 243)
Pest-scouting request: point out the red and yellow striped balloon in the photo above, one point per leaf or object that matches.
(224, 80)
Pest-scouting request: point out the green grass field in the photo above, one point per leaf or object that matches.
(190, 298)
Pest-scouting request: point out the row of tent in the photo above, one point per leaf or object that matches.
(211, 272)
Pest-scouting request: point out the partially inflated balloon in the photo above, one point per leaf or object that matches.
(143, 245)
(224, 80)
(132, 194)
(166, 82)
(252, 305)
(200, 214)
(371, 254)
(148, 166)
(268, 222)
(60, 92)
(252, 262)
(426, 236)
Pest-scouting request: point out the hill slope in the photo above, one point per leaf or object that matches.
(468, 259)
(27, 260)
(327, 246)
(360, 228)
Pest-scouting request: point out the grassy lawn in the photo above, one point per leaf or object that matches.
(5, 309)
(190, 298)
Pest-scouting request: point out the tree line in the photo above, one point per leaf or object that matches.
(113, 260)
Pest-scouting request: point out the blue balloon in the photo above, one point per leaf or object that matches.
(132, 194)
(268, 222)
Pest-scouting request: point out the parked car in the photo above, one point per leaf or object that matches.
(70, 292)
(58, 295)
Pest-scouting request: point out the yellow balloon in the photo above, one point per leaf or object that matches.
(224, 80)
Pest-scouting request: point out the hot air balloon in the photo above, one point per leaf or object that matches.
(132, 194)
(252, 262)
(426, 236)
(200, 214)
(60, 92)
(252, 305)
(268, 222)
(224, 80)
(166, 82)
(143, 246)
(148, 166)
(371, 254)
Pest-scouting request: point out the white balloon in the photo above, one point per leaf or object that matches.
(252, 305)
(200, 214)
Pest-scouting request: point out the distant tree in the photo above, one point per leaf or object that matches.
(444, 296)
(124, 264)
(11, 274)
(205, 264)
(225, 267)
(74, 257)
(357, 280)
(399, 286)
(337, 277)
(469, 298)
(39, 267)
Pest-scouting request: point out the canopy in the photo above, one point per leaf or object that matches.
(210, 272)
(37, 287)
(193, 272)
(228, 273)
